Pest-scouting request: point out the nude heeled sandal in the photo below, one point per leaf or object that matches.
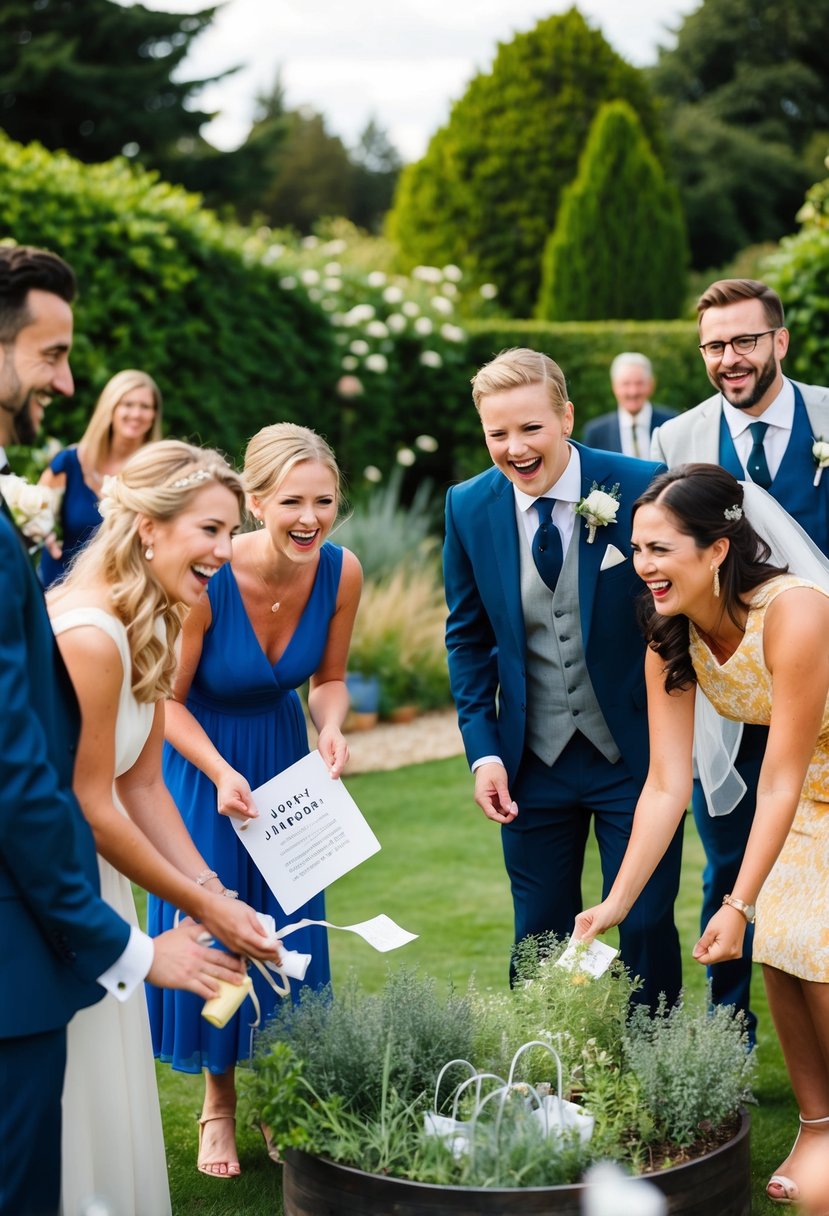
(204, 1167)
(791, 1191)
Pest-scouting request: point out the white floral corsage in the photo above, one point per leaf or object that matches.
(820, 454)
(598, 508)
(33, 508)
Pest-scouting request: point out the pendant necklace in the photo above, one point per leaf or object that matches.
(264, 581)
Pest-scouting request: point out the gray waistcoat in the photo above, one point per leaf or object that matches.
(560, 696)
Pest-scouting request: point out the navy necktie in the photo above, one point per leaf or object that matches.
(548, 554)
(757, 467)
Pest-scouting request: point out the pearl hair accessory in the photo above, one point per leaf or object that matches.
(733, 513)
(192, 479)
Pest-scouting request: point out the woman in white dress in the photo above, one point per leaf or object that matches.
(168, 521)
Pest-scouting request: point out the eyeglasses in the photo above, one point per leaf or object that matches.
(742, 345)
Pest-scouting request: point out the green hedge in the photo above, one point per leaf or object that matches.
(165, 287)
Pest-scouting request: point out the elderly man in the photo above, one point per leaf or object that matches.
(762, 427)
(628, 429)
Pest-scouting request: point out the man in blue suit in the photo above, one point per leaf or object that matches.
(629, 427)
(762, 427)
(61, 946)
(546, 659)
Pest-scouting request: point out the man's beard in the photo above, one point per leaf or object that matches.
(22, 428)
(765, 379)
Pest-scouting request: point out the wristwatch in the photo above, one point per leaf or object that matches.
(746, 909)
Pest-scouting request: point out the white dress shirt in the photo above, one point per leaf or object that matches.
(780, 419)
(130, 968)
(641, 424)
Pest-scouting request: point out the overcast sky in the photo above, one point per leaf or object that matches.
(401, 61)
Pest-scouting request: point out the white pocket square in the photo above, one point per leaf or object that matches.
(612, 557)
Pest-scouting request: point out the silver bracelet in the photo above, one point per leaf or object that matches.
(205, 876)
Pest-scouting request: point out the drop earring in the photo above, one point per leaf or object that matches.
(149, 553)
(716, 570)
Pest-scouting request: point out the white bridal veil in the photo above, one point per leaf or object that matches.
(717, 739)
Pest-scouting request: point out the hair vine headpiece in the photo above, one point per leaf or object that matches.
(733, 513)
(192, 479)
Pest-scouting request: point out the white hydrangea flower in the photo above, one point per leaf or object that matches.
(442, 305)
(426, 443)
(372, 473)
(376, 329)
(358, 314)
(452, 333)
(349, 363)
(393, 294)
(332, 283)
(427, 274)
(332, 248)
(488, 291)
(377, 363)
(288, 283)
(376, 279)
(359, 347)
(423, 326)
(309, 276)
(332, 268)
(411, 308)
(396, 323)
(430, 358)
(406, 457)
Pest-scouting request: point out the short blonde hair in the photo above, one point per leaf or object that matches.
(97, 438)
(520, 366)
(157, 482)
(277, 449)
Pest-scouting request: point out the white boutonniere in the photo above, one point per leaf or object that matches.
(33, 508)
(598, 509)
(820, 454)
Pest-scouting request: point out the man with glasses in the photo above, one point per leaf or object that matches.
(762, 427)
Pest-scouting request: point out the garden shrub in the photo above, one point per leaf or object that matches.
(618, 248)
(164, 286)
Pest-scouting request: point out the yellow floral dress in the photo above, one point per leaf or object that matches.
(792, 931)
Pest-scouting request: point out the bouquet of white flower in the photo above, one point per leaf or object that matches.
(33, 508)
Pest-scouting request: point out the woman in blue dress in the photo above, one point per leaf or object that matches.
(126, 416)
(279, 613)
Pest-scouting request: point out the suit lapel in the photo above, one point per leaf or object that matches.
(590, 556)
(507, 561)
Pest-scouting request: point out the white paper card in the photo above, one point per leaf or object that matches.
(309, 832)
(593, 960)
(381, 931)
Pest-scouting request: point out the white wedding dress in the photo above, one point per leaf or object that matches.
(113, 1146)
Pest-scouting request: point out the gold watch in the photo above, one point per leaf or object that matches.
(746, 909)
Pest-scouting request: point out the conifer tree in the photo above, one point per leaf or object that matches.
(618, 249)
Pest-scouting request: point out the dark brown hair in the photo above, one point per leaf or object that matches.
(24, 269)
(731, 291)
(698, 497)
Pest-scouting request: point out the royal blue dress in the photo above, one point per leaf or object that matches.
(253, 715)
(79, 516)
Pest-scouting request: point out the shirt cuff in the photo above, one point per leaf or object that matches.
(128, 971)
(486, 760)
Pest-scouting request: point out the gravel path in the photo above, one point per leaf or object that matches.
(389, 745)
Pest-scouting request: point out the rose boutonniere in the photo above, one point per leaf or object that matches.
(820, 454)
(598, 508)
(33, 508)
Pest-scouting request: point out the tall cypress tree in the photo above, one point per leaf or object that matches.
(618, 249)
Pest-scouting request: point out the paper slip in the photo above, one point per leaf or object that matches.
(593, 959)
(309, 832)
(381, 931)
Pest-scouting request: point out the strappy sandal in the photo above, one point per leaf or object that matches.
(232, 1168)
(790, 1189)
(271, 1148)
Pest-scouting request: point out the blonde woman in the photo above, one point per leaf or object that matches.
(168, 521)
(127, 415)
(280, 613)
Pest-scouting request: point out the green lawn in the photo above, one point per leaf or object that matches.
(440, 874)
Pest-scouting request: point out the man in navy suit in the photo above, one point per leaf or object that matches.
(628, 429)
(761, 426)
(546, 660)
(61, 946)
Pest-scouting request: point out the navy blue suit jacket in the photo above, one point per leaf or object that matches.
(485, 635)
(56, 933)
(603, 432)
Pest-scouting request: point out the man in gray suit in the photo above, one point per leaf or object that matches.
(628, 428)
(762, 427)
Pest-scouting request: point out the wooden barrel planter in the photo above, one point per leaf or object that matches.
(719, 1182)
